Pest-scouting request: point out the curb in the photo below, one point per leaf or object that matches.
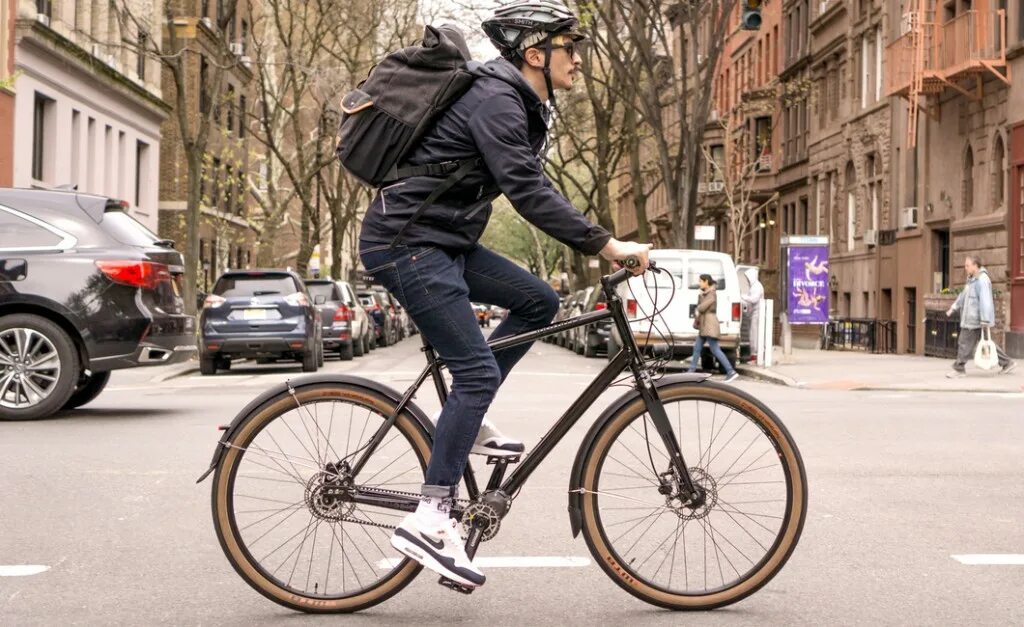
(178, 370)
(769, 376)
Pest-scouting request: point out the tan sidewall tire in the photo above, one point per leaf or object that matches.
(792, 528)
(226, 531)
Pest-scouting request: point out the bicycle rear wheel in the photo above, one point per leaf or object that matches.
(683, 558)
(280, 498)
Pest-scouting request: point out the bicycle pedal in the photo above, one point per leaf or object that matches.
(495, 459)
(454, 585)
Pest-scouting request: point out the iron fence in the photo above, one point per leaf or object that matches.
(863, 334)
(941, 334)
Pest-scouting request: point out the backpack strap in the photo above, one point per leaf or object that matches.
(430, 169)
(465, 166)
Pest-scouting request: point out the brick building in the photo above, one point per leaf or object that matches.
(895, 128)
(227, 238)
(7, 13)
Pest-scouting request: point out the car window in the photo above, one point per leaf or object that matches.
(16, 232)
(127, 229)
(255, 285)
(366, 300)
(322, 289)
(346, 294)
(697, 267)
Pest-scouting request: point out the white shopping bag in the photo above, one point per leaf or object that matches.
(985, 356)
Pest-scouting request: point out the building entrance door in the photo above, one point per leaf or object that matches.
(1015, 232)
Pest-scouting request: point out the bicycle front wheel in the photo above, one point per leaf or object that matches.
(694, 558)
(283, 506)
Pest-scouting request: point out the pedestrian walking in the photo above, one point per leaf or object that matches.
(752, 300)
(977, 312)
(708, 328)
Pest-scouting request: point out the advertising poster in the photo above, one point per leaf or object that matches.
(807, 291)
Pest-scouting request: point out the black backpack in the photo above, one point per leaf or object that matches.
(385, 117)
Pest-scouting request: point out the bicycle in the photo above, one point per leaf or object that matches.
(744, 499)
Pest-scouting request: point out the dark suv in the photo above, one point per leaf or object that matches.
(259, 314)
(84, 289)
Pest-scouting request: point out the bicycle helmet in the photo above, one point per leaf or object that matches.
(524, 24)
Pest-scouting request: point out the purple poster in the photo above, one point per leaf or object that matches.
(808, 284)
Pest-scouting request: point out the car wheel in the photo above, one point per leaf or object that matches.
(588, 350)
(320, 356)
(41, 369)
(207, 365)
(89, 387)
(309, 361)
(223, 363)
(358, 347)
(346, 352)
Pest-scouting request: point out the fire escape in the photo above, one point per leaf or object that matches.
(930, 57)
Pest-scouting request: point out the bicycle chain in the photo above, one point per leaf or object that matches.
(463, 502)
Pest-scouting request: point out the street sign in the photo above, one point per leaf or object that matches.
(704, 233)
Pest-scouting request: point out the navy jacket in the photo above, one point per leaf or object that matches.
(501, 119)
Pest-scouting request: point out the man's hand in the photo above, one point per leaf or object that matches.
(617, 250)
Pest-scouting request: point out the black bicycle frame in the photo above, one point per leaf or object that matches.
(628, 356)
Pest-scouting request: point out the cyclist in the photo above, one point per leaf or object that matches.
(438, 267)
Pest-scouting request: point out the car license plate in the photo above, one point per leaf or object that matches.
(254, 314)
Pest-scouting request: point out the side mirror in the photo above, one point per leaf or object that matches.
(319, 300)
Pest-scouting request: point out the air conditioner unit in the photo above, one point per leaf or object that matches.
(714, 115)
(237, 48)
(207, 22)
(43, 19)
(764, 162)
(908, 218)
(907, 22)
(822, 7)
(246, 61)
(710, 187)
(97, 51)
(700, 58)
(871, 237)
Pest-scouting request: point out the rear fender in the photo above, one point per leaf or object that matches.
(306, 381)
(576, 477)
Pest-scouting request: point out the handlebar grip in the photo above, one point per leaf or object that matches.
(630, 262)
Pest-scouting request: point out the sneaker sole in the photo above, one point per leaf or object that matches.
(479, 449)
(407, 544)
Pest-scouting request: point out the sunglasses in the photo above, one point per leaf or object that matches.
(572, 47)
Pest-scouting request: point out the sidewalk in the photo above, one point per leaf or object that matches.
(854, 370)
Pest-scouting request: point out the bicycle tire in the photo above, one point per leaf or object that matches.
(623, 572)
(227, 528)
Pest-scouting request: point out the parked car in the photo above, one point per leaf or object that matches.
(375, 304)
(498, 313)
(674, 326)
(395, 314)
(744, 283)
(84, 289)
(344, 323)
(593, 338)
(564, 312)
(483, 314)
(259, 314)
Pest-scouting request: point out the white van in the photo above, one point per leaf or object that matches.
(642, 296)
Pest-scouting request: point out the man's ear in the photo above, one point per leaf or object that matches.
(534, 57)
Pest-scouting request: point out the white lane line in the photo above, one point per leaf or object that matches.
(539, 561)
(22, 570)
(991, 559)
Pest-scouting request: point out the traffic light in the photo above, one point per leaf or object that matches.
(751, 16)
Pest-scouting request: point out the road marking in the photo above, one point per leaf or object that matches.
(510, 561)
(991, 559)
(22, 570)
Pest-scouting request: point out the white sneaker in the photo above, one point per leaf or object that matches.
(441, 549)
(490, 441)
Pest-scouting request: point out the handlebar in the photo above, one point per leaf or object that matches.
(611, 280)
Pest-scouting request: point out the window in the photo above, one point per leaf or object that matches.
(763, 143)
(851, 205)
(215, 179)
(205, 9)
(141, 170)
(127, 229)
(90, 156)
(242, 115)
(42, 137)
(968, 181)
(804, 217)
(229, 183)
(998, 174)
(22, 232)
(140, 50)
(122, 163)
(244, 40)
(231, 108)
(874, 183)
(76, 145)
(878, 63)
(204, 97)
(43, 7)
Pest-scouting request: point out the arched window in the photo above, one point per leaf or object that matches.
(968, 182)
(873, 175)
(998, 174)
(851, 205)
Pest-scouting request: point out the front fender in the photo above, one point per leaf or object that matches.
(576, 477)
(306, 381)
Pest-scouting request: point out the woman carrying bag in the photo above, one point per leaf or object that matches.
(706, 322)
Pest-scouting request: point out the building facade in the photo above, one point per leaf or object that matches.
(227, 237)
(88, 106)
(895, 128)
(7, 13)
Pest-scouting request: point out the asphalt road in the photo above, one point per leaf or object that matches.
(105, 498)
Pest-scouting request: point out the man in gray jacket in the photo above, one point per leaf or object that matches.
(977, 311)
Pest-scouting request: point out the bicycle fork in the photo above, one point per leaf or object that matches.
(693, 494)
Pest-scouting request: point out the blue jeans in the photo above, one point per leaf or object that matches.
(716, 350)
(437, 288)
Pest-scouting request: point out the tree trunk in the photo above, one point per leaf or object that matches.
(192, 215)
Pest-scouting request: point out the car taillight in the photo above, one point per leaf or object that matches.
(145, 274)
(213, 301)
(342, 314)
(631, 308)
(600, 306)
(735, 312)
(298, 299)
